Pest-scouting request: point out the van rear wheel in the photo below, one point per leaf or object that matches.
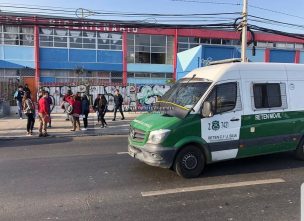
(300, 151)
(189, 162)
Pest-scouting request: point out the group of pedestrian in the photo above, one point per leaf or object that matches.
(75, 106)
(27, 107)
(101, 106)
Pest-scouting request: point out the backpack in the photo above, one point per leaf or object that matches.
(70, 109)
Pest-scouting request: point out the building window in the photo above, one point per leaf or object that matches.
(63, 38)
(150, 49)
(87, 77)
(147, 75)
(267, 95)
(15, 35)
(109, 41)
(82, 39)
(223, 97)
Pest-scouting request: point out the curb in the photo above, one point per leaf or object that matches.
(61, 136)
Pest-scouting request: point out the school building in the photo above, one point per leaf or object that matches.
(42, 50)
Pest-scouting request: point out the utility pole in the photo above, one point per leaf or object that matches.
(244, 30)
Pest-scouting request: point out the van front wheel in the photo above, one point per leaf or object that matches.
(300, 151)
(189, 162)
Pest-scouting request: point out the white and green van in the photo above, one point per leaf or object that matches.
(222, 112)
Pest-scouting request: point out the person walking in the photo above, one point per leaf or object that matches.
(95, 107)
(76, 104)
(118, 100)
(43, 114)
(18, 97)
(85, 109)
(29, 110)
(102, 109)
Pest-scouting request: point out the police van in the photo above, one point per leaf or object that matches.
(220, 112)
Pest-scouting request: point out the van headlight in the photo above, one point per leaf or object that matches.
(158, 136)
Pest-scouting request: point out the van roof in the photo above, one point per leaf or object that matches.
(219, 72)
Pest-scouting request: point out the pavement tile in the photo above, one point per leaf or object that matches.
(13, 128)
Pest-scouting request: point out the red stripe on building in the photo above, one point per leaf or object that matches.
(175, 50)
(37, 57)
(267, 55)
(297, 57)
(124, 58)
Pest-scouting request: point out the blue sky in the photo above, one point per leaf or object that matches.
(292, 7)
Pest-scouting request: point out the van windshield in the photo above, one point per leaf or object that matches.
(186, 92)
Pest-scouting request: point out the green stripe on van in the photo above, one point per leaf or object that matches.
(276, 132)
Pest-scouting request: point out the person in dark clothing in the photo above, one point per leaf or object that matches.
(102, 109)
(118, 100)
(50, 102)
(29, 110)
(26, 89)
(95, 107)
(19, 96)
(85, 109)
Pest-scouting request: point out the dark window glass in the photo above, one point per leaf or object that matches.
(158, 58)
(223, 97)
(267, 95)
(142, 57)
(182, 39)
(205, 41)
(215, 41)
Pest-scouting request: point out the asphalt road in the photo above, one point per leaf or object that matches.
(91, 178)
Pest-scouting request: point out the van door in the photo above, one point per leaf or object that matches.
(268, 126)
(222, 130)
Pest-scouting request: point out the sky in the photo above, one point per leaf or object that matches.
(285, 11)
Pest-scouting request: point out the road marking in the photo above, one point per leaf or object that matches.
(211, 187)
(120, 153)
(121, 125)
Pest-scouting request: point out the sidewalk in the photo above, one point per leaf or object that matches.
(12, 127)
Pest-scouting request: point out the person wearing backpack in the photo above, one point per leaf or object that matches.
(29, 110)
(102, 109)
(65, 103)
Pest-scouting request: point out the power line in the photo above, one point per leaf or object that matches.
(238, 4)
(274, 22)
(277, 12)
(207, 2)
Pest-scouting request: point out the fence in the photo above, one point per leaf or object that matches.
(136, 97)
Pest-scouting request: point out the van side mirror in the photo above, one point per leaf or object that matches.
(206, 111)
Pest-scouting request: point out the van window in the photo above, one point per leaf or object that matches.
(223, 97)
(267, 95)
(186, 92)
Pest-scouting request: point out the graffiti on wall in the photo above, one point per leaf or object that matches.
(136, 97)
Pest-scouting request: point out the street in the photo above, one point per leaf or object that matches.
(93, 178)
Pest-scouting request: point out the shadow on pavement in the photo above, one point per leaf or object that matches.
(259, 164)
(272, 162)
(33, 142)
